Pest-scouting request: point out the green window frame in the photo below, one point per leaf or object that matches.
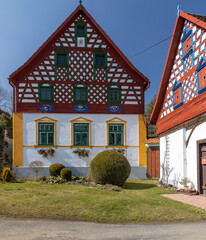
(100, 60)
(81, 134)
(116, 134)
(80, 93)
(58, 59)
(46, 92)
(80, 31)
(114, 94)
(45, 133)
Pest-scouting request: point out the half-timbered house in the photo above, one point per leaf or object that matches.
(78, 92)
(180, 109)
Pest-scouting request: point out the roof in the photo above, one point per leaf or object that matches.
(46, 47)
(152, 140)
(200, 17)
(4, 112)
(171, 57)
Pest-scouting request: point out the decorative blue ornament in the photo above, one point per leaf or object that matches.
(80, 108)
(114, 109)
(178, 10)
(46, 107)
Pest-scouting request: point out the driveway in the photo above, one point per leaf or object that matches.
(26, 229)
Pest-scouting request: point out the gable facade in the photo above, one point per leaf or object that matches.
(180, 109)
(78, 91)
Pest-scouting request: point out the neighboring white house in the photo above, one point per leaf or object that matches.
(180, 109)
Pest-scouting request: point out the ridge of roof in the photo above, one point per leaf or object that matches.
(200, 17)
(170, 59)
(51, 40)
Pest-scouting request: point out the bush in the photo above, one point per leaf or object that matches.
(66, 174)
(110, 167)
(54, 180)
(7, 175)
(41, 179)
(55, 169)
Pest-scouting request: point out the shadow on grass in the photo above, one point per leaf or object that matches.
(138, 186)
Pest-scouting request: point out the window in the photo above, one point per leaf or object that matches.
(116, 134)
(81, 134)
(61, 66)
(80, 34)
(201, 75)
(187, 50)
(114, 94)
(80, 30)
(80, 93)
(45, 133)
(61, 59)
(46, 92)
(177, 95)
(100, 65)
(100, 60)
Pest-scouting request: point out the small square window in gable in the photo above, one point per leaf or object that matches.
(62, 59)
(187, 50)
(177, 95)
(187, 44)
(201, 75)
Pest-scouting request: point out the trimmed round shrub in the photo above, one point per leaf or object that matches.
(7, 174)
(55, 169)
(110, 167)
(66, 174)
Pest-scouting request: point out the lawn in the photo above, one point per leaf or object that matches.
(137, 202)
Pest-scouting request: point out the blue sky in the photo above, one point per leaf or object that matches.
(133, 25)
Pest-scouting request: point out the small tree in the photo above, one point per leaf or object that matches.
(151, 129)
(36, 166)
(166, 169)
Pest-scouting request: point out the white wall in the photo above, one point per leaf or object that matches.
(199, 133)
(65, 155)
(183, 158)
(176, 143)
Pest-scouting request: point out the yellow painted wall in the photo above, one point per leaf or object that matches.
(142, 139)
(17, 139)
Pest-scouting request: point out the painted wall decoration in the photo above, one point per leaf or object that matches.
(114, 109)
(79, 67)
(46, 107)
(80, 108)
(182, 72)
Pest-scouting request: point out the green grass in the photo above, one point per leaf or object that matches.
(138, 202)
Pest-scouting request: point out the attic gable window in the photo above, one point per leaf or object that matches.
(187, 50)
(61, 59)
(46, 92)
(201, 75)
(100, 59)
(80, 34)
(177, 95)
(114, 94)
(80, 93)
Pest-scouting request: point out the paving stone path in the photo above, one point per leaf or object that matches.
(196, 200)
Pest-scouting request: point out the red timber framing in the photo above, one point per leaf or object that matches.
(189, 110)
(120, 70)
